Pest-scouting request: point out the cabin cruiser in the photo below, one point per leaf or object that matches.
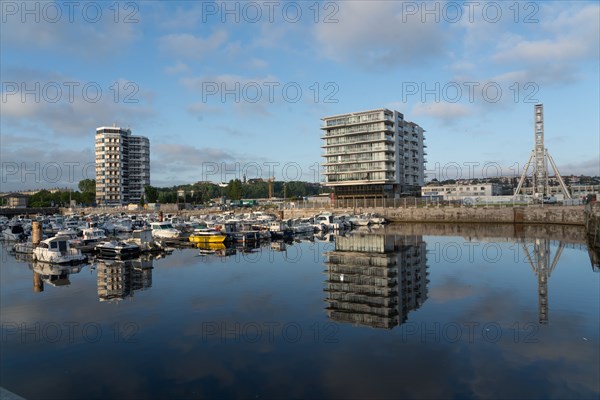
(280, 230)
(164, 230)
(329, 222)
(71, 235)
(301, 226)
(57, 250)
(116, 248)
(14, 233)
(143, 238)
(91, 235)
(360, 220)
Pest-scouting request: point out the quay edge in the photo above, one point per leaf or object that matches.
(592, 227)
(572, 215)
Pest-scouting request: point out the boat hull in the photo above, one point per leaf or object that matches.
(207, 238)
(59, 259)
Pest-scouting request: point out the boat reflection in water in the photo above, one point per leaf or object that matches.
(52, 274)
(375, 279)
(217, 249)
(119, 279)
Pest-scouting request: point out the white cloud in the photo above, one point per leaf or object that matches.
(200, 109)
(542, 50)
(61, 107)
(79, 35)
(587, 167)
(177, 68)
(229, 81)
(257, 63)
(373, 34)
(444, 111)
(185, 45)
(570, 36)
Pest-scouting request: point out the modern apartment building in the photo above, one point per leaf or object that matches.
(122, 166)
(374, 153)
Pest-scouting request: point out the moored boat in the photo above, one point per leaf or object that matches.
(207, 236)
(14, 233)
(91, 235)
(164, 230)
(116, 248)
(57, 250)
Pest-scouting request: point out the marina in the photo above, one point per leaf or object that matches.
(106, 235)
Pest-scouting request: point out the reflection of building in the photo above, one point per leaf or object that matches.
(375, 280)
(118, 279)
(52, 274)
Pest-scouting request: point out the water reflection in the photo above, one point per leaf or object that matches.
(375, 279)
(119, 279)
(54, 275)
(222, 335)
(542, 263)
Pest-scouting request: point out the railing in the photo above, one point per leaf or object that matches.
(405, 202)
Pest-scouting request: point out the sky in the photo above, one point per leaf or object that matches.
(227, 89)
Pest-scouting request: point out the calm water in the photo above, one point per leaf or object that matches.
(410, 311)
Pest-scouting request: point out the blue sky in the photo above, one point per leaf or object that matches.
(223, 88)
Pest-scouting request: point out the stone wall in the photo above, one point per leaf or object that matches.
(527, 215)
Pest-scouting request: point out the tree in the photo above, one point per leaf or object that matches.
(234, 189)
(87, 186)
(151, 193)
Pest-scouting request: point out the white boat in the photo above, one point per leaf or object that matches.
(123, 226)
(280, 230)
(377, 220)
(326, 222)
(23, 248)
(73, 237)
(14, 233)
(164, 230)
(360, 220)
(93, 235)
(116, 248)
(57, 250)
(303, 225)
(143, 238)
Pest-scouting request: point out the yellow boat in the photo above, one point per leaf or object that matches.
(211, 246)
(207, 236)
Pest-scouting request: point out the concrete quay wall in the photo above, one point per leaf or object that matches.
(573, 215)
